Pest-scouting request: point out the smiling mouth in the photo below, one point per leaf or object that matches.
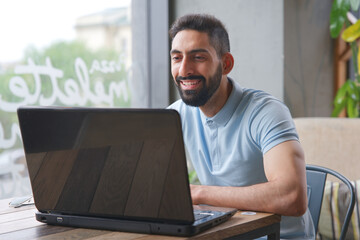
(189, 84)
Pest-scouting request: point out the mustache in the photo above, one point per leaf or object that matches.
(192, 77)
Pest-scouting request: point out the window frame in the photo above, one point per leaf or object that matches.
(150, 23)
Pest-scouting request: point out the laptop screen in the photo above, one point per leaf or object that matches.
(120, 163)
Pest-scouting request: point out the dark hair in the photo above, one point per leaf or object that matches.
(216, 31)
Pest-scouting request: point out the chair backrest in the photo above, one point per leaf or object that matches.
(316, 176)
(315, 190)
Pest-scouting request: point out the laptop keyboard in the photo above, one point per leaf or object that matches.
(198, 214)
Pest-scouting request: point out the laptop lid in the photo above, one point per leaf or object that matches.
(118, 163)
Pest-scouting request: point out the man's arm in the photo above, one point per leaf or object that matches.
(284, 193)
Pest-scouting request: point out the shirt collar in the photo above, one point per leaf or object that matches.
(224, 115)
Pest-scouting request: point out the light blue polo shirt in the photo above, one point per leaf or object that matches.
(227, 149)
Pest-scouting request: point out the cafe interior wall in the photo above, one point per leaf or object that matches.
(308, 58)
(281, 47)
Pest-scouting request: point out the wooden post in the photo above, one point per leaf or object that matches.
(341, 57)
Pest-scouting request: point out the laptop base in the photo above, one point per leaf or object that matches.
(131, 225)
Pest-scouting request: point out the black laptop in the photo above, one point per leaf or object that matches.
(115, 169)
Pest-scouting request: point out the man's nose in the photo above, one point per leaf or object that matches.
(186, 68)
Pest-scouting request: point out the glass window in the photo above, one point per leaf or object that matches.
(64, 53)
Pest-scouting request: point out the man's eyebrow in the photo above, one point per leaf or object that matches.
(174, 51)
(197, 50)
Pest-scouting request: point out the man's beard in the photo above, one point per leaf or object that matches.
(197, 98)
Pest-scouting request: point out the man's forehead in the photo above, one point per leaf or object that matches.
(191, 41)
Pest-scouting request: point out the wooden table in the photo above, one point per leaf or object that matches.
(20, 223)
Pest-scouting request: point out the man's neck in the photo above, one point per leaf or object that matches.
(218, 100)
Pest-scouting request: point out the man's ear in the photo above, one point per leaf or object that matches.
(228, 63)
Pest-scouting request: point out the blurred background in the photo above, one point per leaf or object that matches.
(115, 53)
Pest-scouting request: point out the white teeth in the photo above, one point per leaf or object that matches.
(189, 83)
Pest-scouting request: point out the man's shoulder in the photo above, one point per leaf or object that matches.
(257, 94)
(256, 99)
(250, 95)
(259, 106)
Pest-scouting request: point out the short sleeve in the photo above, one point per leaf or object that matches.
(271, 124)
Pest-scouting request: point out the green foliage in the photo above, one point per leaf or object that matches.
(348, 96)
(351, 33)
(193, 177)
(338, 16)
(354, 4)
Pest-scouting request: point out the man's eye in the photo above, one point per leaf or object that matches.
(199, 57)
(175, 58)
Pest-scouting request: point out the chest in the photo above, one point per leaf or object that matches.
(224, 155)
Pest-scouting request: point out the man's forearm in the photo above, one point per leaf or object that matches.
(264, 197)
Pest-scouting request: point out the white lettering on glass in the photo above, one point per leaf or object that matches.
(74, 92)
(105, 66)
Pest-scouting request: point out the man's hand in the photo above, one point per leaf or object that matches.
(196, 193)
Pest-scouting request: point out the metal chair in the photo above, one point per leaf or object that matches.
(316, 176)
